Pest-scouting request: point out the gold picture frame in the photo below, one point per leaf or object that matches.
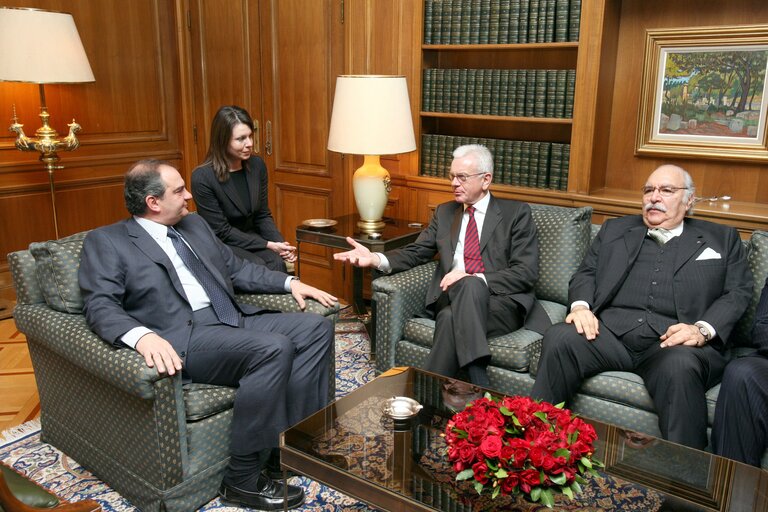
(704, 93)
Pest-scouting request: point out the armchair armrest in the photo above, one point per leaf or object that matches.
(69, 337)
(285, 302)
(398, 297)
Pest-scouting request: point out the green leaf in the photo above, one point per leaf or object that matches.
(563, 452)
(560, 405)
(576, 487)
(541, 416)
(568, 492)
(559, 479)
(506, 412)
(535, 493)
(465, 475)
(501, 473)
(547, 498)
(516, 421)
(478, 487)
(586, 462)
(496, 491)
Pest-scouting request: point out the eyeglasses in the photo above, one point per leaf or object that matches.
(463, 177)
(664, 190)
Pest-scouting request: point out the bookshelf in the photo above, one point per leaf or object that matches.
(510, 87)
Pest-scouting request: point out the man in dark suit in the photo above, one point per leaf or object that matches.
(740, 430)
(162, 283)
(657, 295)
(483, 284)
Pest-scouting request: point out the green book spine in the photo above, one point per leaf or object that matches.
(549, 33)
(542, 25)
(533, 20)
(439, 160)
(555, 163)
(495, 95)
(543, 179)
(574, 20)
(562, 18)
(514, 22)
(493, 148)
(503, 98)
(433, 155)
(493, 22)
(522, 25)
(530, 93)
(428, 4)
(520, 97)
(453, 100)
(479, 86)
(423, 161)
(540, 93)
(437, 22)
(560, 86)
(474, 22)
(445, 23)
(426, 94)
(504, 167)
(487, 87)
(564, 168)
(570, 87)
(456, 16)
(461, 100)
(549, 107)
(533, 164)
(438, 99)
(465, 18)
(504, 22)
(471, 96)
(525, 161)
(485, 22)
(517, 162)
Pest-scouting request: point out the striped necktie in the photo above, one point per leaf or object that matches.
(473, 261)
(220, 302)
(661, 235)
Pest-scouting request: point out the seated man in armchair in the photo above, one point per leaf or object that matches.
(483, 284)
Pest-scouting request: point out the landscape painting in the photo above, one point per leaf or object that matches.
(709, 100)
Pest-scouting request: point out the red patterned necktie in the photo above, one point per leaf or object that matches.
(473, 262)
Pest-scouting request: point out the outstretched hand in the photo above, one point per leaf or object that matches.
(159, 353)
(359, 256)
(301, 291)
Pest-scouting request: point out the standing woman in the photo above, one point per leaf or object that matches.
(230, 191)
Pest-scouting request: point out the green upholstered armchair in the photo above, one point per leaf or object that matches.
(160, 444)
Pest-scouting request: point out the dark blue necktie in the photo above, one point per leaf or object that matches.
(220, 301)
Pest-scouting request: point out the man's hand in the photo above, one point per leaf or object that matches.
(359, 256)
(159, 353)
(451, 277)
(300, 291)
(682, 334)
(284, 249)
(585, 322)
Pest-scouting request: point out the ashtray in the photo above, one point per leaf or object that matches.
(401, 407)
(319, 223)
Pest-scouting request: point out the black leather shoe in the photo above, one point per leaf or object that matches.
(269, 497)
(277, 474)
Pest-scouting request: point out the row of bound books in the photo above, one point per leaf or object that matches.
(501, 21)
(520, 163)
(500, 92)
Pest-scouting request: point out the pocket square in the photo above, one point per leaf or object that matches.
(709, 254)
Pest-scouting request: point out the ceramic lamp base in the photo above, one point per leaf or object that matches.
(371, 186)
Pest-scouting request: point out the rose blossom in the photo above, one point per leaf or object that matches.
(491, 446)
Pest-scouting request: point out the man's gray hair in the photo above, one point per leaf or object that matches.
(479, 153)
(142, 180)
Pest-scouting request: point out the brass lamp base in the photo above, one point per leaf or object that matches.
(371, 226)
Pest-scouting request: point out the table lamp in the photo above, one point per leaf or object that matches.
(54, 55)
(371, 117)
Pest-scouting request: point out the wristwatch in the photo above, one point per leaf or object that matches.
(704, 331)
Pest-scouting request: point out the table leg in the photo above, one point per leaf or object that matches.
(357, 291)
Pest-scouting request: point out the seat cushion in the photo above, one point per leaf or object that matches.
(57, 263)
(757, 256)
(204, 400)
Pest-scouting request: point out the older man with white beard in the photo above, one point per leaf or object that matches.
(657, 295)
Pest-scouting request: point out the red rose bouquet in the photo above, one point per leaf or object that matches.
(516, 445)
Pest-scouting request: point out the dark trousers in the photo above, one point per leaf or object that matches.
(279, 364)
(266, 257)
(677, 378)
(740, 430)
(467, 314)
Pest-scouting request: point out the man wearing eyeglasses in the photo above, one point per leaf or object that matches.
(487, 268)
(657, 294)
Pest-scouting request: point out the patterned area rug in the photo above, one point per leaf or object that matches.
(22, 449)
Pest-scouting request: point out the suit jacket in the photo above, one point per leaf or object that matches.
(714, 290)
(220, 205)
(128, 281)
(508, 244)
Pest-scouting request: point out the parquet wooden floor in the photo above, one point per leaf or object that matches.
(18, 393)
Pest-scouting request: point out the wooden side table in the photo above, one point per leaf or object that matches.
(396, 233)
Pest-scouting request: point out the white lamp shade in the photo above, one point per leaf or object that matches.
(371, 116)
(41, 47)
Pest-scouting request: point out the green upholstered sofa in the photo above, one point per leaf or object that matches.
(404, 339)
(160, 444)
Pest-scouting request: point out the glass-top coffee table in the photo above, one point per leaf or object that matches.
(353, 447)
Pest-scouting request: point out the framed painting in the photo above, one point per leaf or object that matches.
(703, 93)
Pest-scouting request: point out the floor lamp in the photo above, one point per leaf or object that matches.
(54, 55)
(371, 117)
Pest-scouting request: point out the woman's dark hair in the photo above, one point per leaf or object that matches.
(223, 124)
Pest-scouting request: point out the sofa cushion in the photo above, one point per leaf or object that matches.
(564, 236)
(204, 400)
(757, 256)
(57, 262)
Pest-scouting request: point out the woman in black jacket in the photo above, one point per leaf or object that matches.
(230, 191)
